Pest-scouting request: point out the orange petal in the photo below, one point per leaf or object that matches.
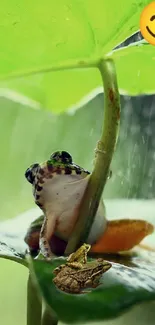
(122, 235)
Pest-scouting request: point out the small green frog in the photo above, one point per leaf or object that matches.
(58, 187)
(79, 258)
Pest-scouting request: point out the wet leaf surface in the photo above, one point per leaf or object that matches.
(131, 279)
(10, 250)
(121, 287)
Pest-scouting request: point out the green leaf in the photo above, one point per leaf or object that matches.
(121, 287)
(37, 34)
(9, 250)
(70, 31)
(135, 65)
(132, 81)
(56, 91)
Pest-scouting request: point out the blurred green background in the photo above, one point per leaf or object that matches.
(30, 135)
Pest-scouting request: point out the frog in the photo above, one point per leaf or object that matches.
(58, 186)
(73, 280)
(79, 258)
(78, 274)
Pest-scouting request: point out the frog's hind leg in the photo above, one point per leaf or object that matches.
(45, 239)
(75, 265)
(122, 235)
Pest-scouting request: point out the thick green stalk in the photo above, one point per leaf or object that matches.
(104, 153)
(34, 304)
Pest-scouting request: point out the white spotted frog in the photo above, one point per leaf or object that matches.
(58, 187)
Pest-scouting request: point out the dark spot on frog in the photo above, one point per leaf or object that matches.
(41, 171)
(39, 204)
(49, 166)
(41, 180)
(38, 188)
(68, 170)
(31, 172)
(29, 176)
(58, 170)
(78, 171)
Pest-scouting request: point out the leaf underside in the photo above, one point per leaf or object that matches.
(71, 31)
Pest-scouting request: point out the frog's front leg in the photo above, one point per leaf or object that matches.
(47, 230)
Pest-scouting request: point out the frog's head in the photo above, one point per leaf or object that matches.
(62, 157)
(31, 173)
(58, 269)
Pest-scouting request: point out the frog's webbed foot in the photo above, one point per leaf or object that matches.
(45, 249)
(122, 235)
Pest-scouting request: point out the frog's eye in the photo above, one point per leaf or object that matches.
(66, 157)
(58, 269)
(31, 172)
(62, 157)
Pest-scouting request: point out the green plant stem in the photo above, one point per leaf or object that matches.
(104, 153)
(34, 304)
(49, 317)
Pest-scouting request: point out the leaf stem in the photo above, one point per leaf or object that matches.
(104, 153)
(34, 304)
